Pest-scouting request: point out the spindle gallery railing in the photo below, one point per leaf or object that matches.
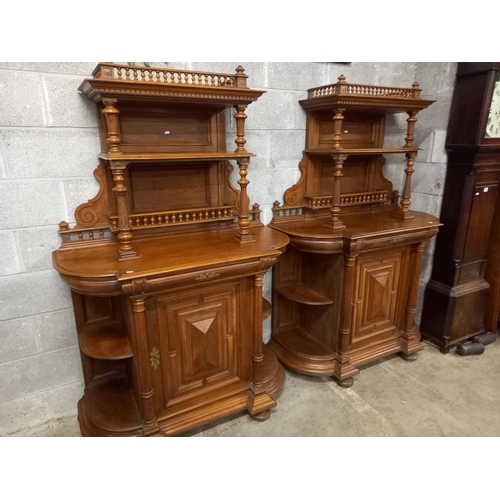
(96, 234)
(362, 198)
(317, 202)
(178, 217)
(341, 88)
(285, 211)
(170, 76)
(100, 234)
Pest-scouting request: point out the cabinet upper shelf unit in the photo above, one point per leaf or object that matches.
(343, 158)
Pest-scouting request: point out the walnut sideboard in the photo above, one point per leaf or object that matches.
(166, 263)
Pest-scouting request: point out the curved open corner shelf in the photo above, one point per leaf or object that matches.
(303, 295)
(266, 309)
(105, 340)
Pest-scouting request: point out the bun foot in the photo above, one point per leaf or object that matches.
(345, 383)
(260, 417)
(409, 357)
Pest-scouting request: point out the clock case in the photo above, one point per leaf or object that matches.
(457, 294)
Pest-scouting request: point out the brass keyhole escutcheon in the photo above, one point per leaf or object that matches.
(206, 276)
(154, 357)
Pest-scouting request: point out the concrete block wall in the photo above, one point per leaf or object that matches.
(48, 148)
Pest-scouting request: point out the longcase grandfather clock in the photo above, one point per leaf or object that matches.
(458, 293)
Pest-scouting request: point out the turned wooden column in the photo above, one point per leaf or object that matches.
(343, 369)
(338, 119)
(146, 362)
(113, 125)
(410, 341)
(406, 199)
(244, 235)
(240, 118)
(126, 252)
(410, 129)
(257, 352)
(260, 402)
(335, 222)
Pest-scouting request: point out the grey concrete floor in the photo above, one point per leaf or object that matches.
(436, 395)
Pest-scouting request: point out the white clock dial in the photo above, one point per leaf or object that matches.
(493, 124)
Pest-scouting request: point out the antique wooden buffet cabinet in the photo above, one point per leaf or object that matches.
(166, 263)
(345, 291)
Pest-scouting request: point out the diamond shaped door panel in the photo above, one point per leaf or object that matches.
(199, 342)
(378, 281)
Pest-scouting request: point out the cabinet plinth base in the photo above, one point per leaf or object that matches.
(260, 417)
(93, 409)
(302, 353)
(344, 383)
(273, 378)
(409, 357)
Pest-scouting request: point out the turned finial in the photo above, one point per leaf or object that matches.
(416, 90)
(63, 226)
(256, 206)
(241, 78)
(276, 204)
(341, 86)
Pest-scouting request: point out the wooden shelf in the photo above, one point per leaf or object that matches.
(175, 156)
(105, 341)
(303, 295)
(267, 308)
(111, 405)
(301, 343)
(362, 151)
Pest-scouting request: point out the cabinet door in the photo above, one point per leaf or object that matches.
(204, 341)
(380, 296)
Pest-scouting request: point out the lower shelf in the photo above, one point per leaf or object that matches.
(301, 352)
(298, 292)
(110, 409)
(297, 340)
